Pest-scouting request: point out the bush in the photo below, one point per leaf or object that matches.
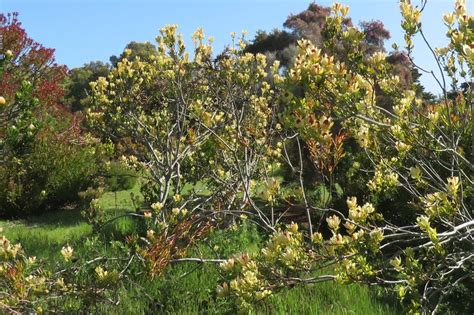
(45, 160)
(119, 177)
(48, 177)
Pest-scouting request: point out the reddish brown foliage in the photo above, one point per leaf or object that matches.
(173, 243)
(30, 61)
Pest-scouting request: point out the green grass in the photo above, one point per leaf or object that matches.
(185, 288)
(44, 236)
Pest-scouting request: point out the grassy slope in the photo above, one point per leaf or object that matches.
(194, 293)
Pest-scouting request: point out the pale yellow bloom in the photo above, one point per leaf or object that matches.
(101, 273)
(448, 18)
(333, 222)
(351, 202)
(177, 198)
(67, 252)
(157, 206)
(228, 264)
(150, 234)
(453, 185)
(317, 237)
(415, 172)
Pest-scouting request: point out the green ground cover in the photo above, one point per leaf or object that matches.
(186, 287)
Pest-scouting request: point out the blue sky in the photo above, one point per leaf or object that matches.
(87, 30)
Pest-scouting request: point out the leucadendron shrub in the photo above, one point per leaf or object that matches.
(415, 155)
(209, 136)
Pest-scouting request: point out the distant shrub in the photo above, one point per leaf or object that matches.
(48, 177)
(119, 177)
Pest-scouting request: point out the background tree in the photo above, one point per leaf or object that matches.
(77, 83)
(46, 159)
(137, 49)
(28, 60)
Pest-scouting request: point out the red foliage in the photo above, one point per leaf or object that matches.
(30, 61)
(35, 63)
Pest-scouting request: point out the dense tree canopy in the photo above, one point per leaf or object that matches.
(77, 83)
(137, 49)
(30, 61)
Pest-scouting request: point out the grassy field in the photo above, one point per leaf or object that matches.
(187, 288)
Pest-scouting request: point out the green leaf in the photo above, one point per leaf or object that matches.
(339, 190)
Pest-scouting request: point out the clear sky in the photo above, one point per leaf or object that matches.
(88, 30)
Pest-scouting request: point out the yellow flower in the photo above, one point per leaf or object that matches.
(150, 234)
(157, 206)
(101, 273)
(67, 252)
(368, 208)
(441, 51)
(333, 222)
(415, 172)
(423, 222)
(293, 228)
(460, 7)
(2, 100)
(350, 227)
(453, 185)
(289, 256)
(402, 147)
(317, 237)
(175, 211)
(469, 52)
(198, 34)
(260, 295)
(363, 136)
(228, 265)
(406, 8)
(448, 18)
(344, 10)
(457, 37)
(60, 282)
(336, 7)
(378, 57)
(351, 202)
(396, 263)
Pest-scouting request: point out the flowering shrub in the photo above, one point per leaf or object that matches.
(223, 126)
(415, 150)
(74, 283)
